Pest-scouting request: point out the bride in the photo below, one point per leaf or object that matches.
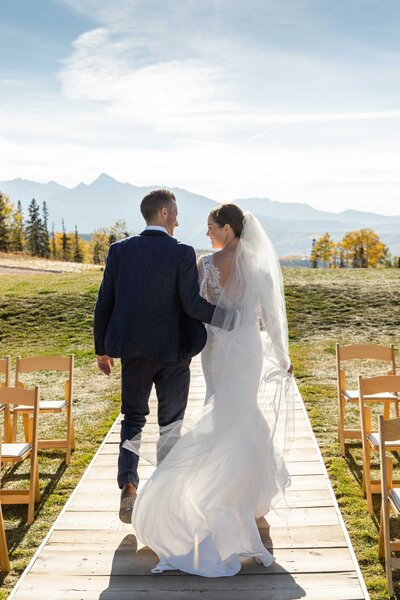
(198, 510)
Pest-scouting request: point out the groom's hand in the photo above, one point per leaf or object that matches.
(105, 364)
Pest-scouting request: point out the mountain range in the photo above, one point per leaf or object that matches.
(291, 225)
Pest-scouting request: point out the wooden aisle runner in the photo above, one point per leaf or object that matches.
(89, 554)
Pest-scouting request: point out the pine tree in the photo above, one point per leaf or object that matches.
(112, 238)
(34, 229)
(53, 243)
(341, 259)
(65, 244)
(17, 229)
(5, 211)
(313, 256)
(78, 255)
(45, 250)
(97, 253)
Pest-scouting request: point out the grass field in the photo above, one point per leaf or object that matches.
(52, 313)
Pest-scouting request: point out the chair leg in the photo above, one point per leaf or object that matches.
(4, 560)
(341, 429)
(27, 427)
(384, 536)
(367, 477)
(386, 411)
(70, 437)
(7, 433)
(14, 427)
(389, 574)
(37, 485)
(381, 547)
(73, 447)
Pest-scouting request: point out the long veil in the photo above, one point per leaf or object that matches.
(248, 414)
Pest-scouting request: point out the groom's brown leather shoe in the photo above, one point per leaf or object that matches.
(128, 497)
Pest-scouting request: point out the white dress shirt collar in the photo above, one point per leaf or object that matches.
(156, 228)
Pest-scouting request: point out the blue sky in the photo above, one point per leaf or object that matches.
(297, 100)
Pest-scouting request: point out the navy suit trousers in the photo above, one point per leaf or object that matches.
(171, 380)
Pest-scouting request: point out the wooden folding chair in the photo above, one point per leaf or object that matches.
(49, 363)
(15, 452)
(389, 432)
(4, 560)
(367, 387)
(345, 395)
(5, 372)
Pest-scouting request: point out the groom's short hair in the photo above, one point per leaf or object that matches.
(153, 202)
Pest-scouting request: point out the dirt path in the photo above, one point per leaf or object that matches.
(24, 270)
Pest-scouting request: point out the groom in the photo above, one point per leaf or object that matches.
(149, 313)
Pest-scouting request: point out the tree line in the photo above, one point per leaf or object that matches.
(357, 249)
(32, 235)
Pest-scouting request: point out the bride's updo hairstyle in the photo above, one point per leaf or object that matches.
(229, 214)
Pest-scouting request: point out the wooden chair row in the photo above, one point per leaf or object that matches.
(389, 434)
(31, 365)
(18, 452)
(383, 390)
(19, 401)
(346, 396)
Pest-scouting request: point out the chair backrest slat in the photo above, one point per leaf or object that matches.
(379, 385)
(18, 396)
(43, 363)
(365, 351)
(390, 429)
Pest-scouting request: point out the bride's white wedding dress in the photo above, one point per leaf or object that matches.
(198, 510)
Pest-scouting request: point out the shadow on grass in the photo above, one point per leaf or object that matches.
(17, 513)
(355, 467)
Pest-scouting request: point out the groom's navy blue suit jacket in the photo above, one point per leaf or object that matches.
(149, 304)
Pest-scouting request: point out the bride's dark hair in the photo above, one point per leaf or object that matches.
(229, 214)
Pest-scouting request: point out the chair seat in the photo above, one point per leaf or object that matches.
(394, 495)
(353, 395)
(16, 450)
(49, 405)
(374, 438)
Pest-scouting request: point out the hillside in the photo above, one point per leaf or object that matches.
(291, 225)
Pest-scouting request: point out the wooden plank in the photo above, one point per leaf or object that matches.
(281, 537)
(107, 498)
(298, 482)
(297, 464)
(308, 482)
(304, 450)
(305, 468)
(90, 560)
(100, 519)
(105, 468)
(342, 586)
